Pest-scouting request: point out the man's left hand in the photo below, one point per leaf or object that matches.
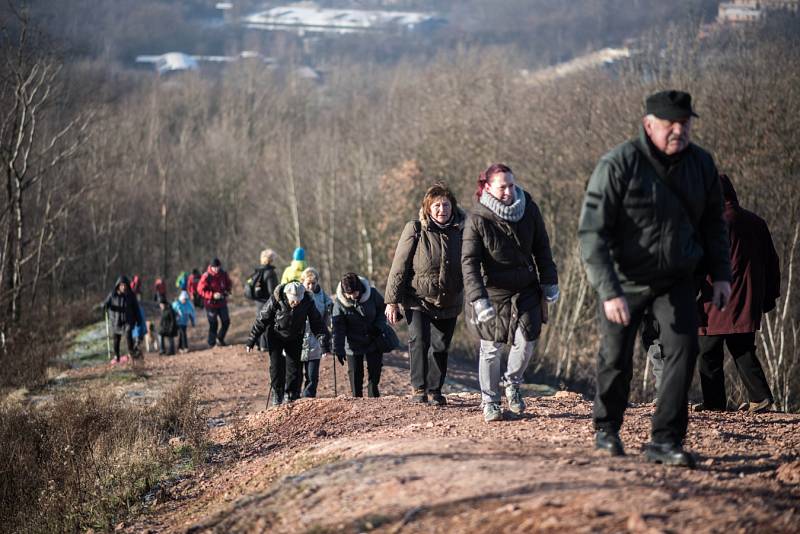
(722, 294)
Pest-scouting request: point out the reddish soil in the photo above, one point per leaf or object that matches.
(355, 465)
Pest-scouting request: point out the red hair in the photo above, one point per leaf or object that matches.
(483, 179)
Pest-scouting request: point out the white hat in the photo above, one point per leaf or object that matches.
(294, 291)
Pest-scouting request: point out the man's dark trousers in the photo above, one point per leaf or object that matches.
(212, 314)
(674, 309)
(712, 374)
(428, 341)
(285, 372)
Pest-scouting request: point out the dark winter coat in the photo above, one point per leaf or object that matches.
(426, 270)
(276, 317)
(635, 232)
(168, 325)
(269, 280)
(356, 325)
(756, 283)
(123, 309)
(211, 283)
(507, 262)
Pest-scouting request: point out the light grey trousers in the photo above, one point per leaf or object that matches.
(490, 366)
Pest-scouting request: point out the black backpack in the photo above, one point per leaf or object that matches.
(254, 287)
(169, 322)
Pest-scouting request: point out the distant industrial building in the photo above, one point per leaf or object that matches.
(748, 11)
(308, 18)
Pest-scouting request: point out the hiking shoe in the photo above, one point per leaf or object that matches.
(514, 398)
(221, 342)
(275, 398)
(703, 407)
(668, 454)
(492, 412)
(113, 362)
(609, 443)
(419, 396)
(124, 358)
(437, 399)
(757, 407)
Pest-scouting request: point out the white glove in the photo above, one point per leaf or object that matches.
(484, 311)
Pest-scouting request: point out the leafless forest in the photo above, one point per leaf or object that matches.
(110, 171)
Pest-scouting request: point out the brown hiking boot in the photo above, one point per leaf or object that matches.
(437, 399)
(757, 407)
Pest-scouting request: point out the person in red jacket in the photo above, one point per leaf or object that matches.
(214, 287)
(754, 289)
(159, 290)
(191, 288)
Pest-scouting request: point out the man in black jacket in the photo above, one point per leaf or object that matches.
(283, 318)
(652, 211)
(260, 287)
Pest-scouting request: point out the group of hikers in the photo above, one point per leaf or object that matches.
(125, 316)
(663, 241)
(297, 323)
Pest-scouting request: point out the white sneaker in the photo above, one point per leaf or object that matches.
(514, 398)
(492, 412)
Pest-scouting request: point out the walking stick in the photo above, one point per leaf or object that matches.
(335, 392)
(108, 337)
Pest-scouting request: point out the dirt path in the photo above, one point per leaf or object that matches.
(347, 465)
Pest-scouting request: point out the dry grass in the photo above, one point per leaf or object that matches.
(85, 461)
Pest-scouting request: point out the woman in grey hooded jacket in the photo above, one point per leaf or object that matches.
(312, 350)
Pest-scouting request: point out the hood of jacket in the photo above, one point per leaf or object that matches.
(122, 279)
(728, 192)
(344, 301)
(457, 222)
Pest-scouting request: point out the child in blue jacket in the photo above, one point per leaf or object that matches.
(185, 312)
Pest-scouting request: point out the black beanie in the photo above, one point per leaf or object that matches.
(216, 263)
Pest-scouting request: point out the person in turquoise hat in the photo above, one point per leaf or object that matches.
(293, 272)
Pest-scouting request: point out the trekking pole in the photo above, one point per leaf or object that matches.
(108, 337)
(335, 393)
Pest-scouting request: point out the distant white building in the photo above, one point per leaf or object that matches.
(593, 60)
(304, 18)
(743, 11)
(170, 62)
(730, 12)
(174, 62)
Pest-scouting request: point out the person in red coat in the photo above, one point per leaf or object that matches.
(191, 287)
(754, 289)
(214, 287)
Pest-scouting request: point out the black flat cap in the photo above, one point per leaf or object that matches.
(670, 105)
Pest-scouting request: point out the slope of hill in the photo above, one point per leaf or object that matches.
(354, 465)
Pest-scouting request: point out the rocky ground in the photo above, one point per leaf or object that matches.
(356, 465)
